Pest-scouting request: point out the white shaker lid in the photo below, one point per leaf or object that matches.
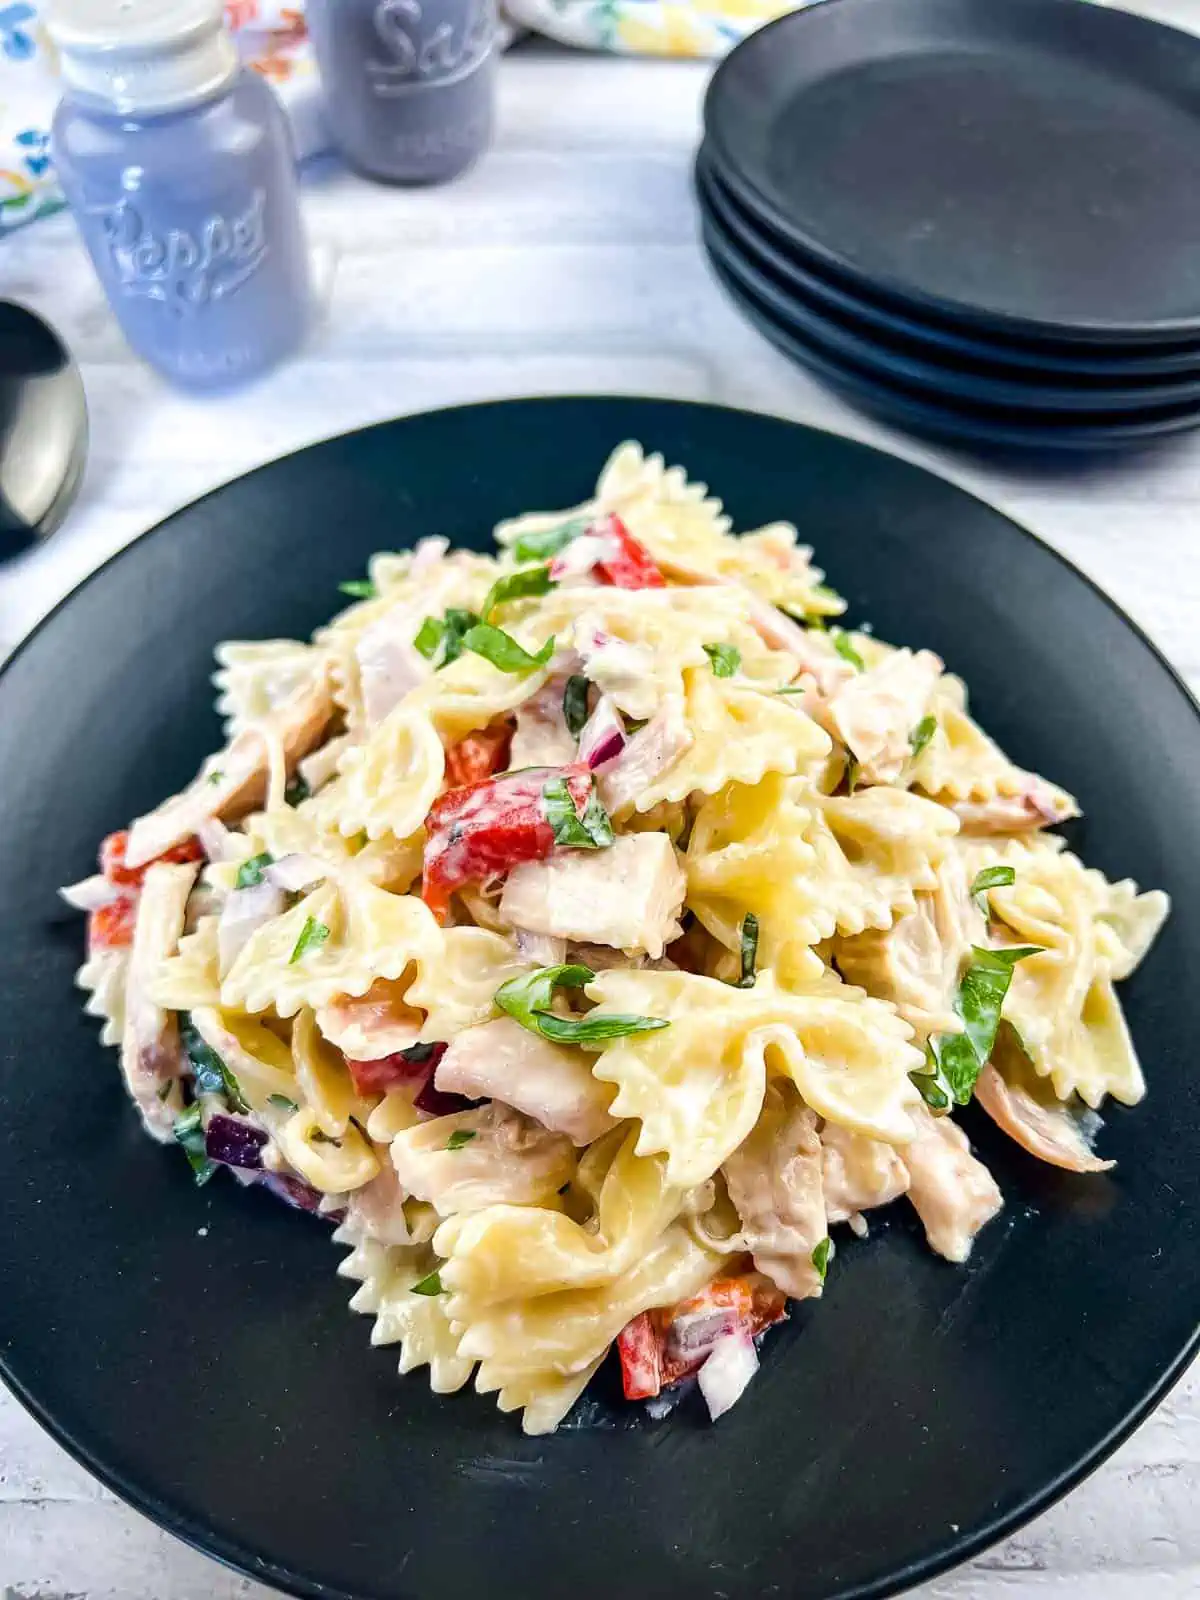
(142, 55)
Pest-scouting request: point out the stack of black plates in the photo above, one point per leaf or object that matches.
(980, 218)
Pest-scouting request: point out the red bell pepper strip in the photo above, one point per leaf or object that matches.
(641, 1358)
(485, 829)
(652, 1361)
(632, 567)
(112, 859)
(111, 927)
(478, 756)
(390, 1072)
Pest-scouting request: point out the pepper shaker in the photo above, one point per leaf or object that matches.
(177, 163)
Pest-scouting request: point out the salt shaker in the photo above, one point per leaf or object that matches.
(178, 166)
(410, 85)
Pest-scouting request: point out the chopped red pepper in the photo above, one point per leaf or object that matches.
(111, 926)
(389, 1072)
(632, 567)
(112, 859)
(478, 756)
(485, 829)
(652, 1360)
(641, 1358)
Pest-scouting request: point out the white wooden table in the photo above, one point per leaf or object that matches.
(566, 262)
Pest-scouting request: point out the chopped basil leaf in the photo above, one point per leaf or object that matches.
(428, 637)
(852, 771)
(209, 1071)
(955, 1060)
(503, 651)
(312, 936)
(430, 1285)
(189, 1133)
(296, 791)
(749, 950)
(990, 878)
(549, 541)
(319, 1136)
(525, 1000)
(592, 831)
(593, 1029)
(359, 588)
(575, 703)
(921, 735)
(931, 1082)
(460, 1137)
(253, 871)
(283, 1102)
(164, 1090)
(841, 643)
(521, 585)
(792, 688)
(216, 776)
(725, 658)
(822, 1252)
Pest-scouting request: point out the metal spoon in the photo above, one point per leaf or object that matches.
(43, 429)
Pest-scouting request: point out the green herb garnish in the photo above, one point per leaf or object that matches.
(296, 791)
(592, 831)
(526, 1000)
(430, 1285)
(541, 546)
(312, 936)
(841, 643)
(445, 635)
(216, 776)
(503, 651)
(990, 878)
(252, 872)
(429, 636)
(852, 771)
(792, 688)
(523, 585)
(575, 703)
(209, 1071)
(283, 1101)
(921, 735)
(749, 944)
(725, 658)
(189, 1133)
(953, 1061)
(460, 1137)
(822, 1251)
(359, 588)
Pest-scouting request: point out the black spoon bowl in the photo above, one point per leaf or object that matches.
(43, 429)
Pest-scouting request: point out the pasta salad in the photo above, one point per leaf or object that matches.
(592, 930)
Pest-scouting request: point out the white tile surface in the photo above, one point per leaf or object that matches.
(566, 262)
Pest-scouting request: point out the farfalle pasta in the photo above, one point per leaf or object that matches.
(589, 929)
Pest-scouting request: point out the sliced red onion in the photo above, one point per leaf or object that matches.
(437, 1102)
(696, 1334)
(724, 1376)
(91, 894)
(602, 737)
(244, 912)
(233, 1141)
(294, 1191)
(296, 871)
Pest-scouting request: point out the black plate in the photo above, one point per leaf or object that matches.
(1005, 357)
(906, 406)
(193, 1347)
(1030, 166)
(939, 379)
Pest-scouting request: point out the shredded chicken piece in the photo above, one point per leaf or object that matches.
(542, 738)
(774, 1180)
(152, 1058)
(508, 1159)
(811, 648)
(389, 664)
(1039, 805)
(377, 1209)
(234, 781)
(648, 754)
(552, 1083)
(1041, 1125)
(875, 712)
(619, 669)
(368, 1026)
(953, 1192)
(858, 1173)
(628, 895)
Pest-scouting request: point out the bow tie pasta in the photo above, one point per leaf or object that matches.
(589, 929)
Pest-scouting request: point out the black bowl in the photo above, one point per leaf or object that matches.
(1027, 168)
(193, 1347)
